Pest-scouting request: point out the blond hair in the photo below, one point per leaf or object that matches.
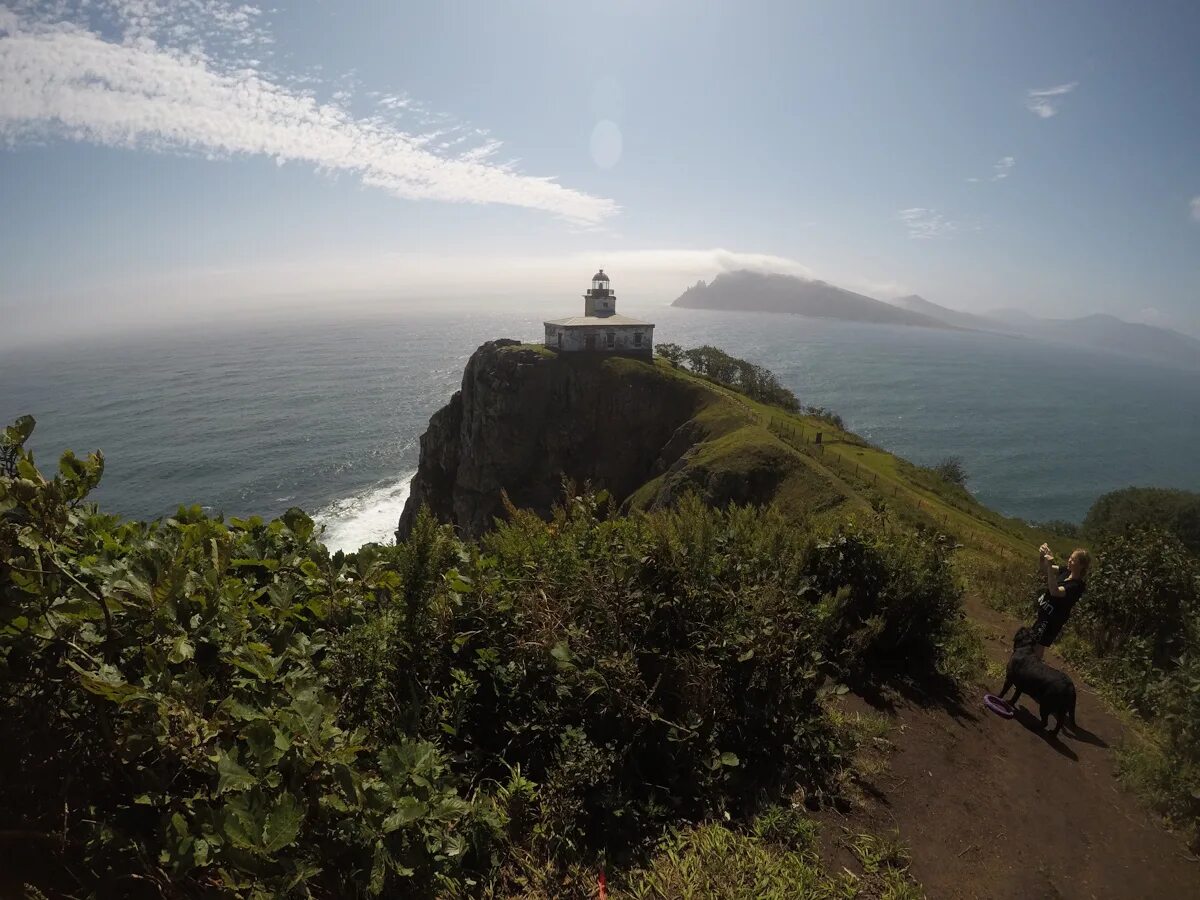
(1085, 561)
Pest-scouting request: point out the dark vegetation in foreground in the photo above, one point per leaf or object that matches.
(194, 706)
(1136, 632)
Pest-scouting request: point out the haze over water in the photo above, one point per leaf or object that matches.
(326, 414)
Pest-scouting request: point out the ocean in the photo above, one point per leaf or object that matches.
(326, 412)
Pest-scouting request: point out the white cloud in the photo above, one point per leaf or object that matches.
(1001, 169)
(1195, 204)
(187, 77)
(925, 223)
(1044, 102)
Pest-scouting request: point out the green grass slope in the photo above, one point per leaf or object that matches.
(747, 451)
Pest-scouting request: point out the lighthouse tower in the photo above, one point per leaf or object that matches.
(600, 300)
(600, 329)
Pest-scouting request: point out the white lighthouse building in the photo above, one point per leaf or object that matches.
(600, 329)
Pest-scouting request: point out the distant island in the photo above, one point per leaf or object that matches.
(764, 292)
(747, 291)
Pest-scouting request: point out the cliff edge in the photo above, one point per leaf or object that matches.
(527, 417)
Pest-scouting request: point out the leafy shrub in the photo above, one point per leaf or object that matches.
(163, 700)
(1132, 508)
(1138, 629)
(637, 670)
(951, 469)
(672, 353)
(207, 707)
(890, 599)
(1141, 597)
(754, 381)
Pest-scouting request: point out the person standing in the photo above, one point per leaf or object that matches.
(1063, 590)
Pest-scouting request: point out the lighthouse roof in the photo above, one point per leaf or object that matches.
(608, 321)
(600, 276)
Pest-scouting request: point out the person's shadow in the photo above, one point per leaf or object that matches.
(1034, 723)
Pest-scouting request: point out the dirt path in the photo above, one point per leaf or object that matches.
(991, 808)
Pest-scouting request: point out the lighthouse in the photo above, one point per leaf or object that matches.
(601, 329)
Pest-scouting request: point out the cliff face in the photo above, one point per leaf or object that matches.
(525, 417)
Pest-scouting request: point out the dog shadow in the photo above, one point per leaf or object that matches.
(1086, 737)
(1034, 724)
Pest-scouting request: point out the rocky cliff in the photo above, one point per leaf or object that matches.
(526, 417)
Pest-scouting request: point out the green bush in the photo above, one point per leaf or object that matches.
(1141, 599)
(672, 353)
(891, 599)
(1138, 630)
(754, 381)
(951, 469)
(1132, 508)
(637, 670)
(163, 700)
(207, 707)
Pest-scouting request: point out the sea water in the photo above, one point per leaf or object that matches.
(326, 413)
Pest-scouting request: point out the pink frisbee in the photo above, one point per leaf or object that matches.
(999, 707)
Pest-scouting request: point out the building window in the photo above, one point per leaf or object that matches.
(611, 339)
(637, 339)
(560, 340)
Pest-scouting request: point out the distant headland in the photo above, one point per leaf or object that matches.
(747, 291)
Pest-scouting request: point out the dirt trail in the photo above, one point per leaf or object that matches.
(993, 809)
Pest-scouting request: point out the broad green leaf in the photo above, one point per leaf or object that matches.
(255, 662)
(298, 523)
(449, 809)
(458, 583)
(19, 431)
(107, 683)
(562, 654)
(379, 867)
(312, 715)
(231, 775)
(283, 823)
(241, 824)
(406, 811)
(729, 759)
(265, 743)
(181, 649)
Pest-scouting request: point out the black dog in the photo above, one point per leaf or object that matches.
(1053, 690)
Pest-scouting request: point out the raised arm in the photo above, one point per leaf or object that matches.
(1053, 588)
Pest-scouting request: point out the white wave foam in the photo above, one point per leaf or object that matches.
(368, 517)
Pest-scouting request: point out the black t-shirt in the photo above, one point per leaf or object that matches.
(1058, 608)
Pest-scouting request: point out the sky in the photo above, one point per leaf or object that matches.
(165, 160)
